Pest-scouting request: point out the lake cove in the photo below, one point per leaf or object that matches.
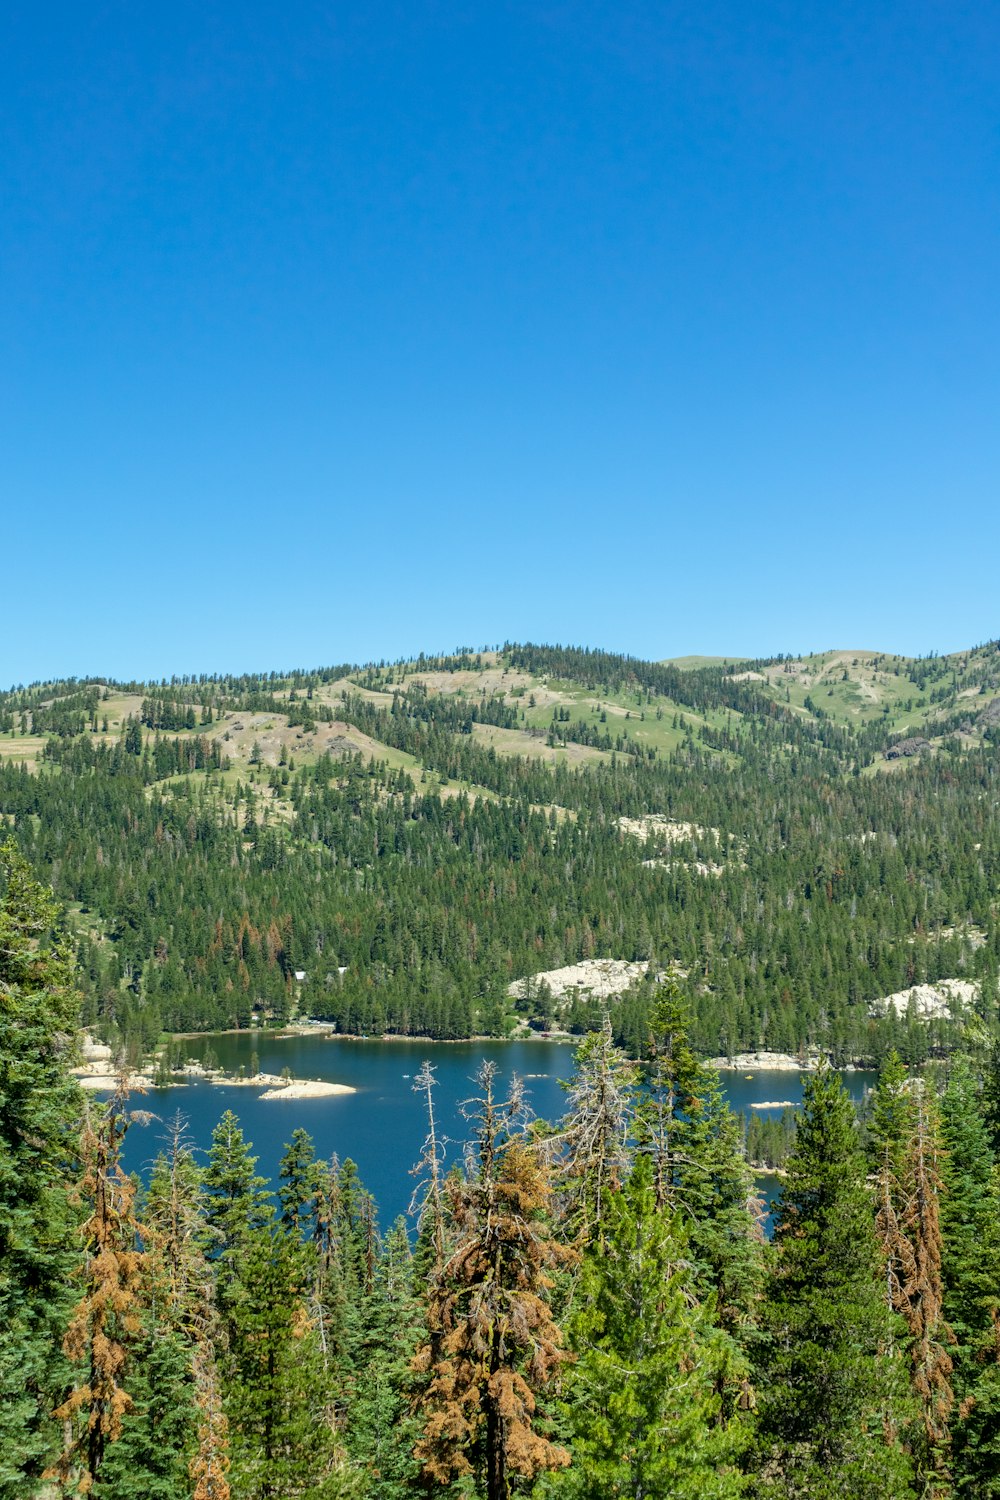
(382, 1125)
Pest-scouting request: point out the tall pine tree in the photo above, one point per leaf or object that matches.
(641, 1400)
(831, 1383)
(493, 1344)
(970, 1229)
(39, 1108)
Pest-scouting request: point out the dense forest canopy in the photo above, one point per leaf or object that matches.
(797, 838)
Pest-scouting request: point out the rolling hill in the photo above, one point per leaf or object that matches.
(422, 842)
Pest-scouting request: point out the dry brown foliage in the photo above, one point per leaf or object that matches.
(493, 1344)
(108, 1314)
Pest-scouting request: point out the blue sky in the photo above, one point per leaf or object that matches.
(337, 333)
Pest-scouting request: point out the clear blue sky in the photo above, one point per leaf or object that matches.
(333, 332)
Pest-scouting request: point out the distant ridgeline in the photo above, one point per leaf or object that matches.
(411, 847)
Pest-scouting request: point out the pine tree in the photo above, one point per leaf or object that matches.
(921, 1306)
(381, 1430)
(177, 1236)
(674, 1080)
(428, 1199)
(593, 1141)
(329, 1302)
(905, 1148)
(641, 1400)
(281, 1408)
(722, 1213)
(700, 1171)
(970, 1229)
(104, 1328)
(279, 1403)
(210, 1465)
(349, 1274)
(890, 1129)
(297, 1185)
(890, 1118)
(493, 1345)
(831, 1391)
(237, 1202)
(151, 1458)
(181, 1289)
(39, 1106)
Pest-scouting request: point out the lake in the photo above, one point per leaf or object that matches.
(382, 1126)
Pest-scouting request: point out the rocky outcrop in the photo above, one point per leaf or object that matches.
(94, 1052)
(911, 746)
(763, 1062)
(600, 977)
(931, 1002)
(307, 1088)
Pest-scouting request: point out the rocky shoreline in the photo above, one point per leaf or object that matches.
(763, 1062)
(97, 1074)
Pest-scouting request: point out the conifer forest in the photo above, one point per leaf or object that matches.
(797, 856)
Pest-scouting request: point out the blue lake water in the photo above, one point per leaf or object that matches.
(382, 1126)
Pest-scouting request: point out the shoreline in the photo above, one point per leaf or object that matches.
(96, 1073)
(763, 1061)
(328, 1029)
(97, 1076)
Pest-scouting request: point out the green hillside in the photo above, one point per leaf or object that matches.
(421, 840)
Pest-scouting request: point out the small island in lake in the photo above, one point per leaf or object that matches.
(97, 1072)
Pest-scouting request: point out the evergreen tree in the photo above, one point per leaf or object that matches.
(831, 1391)
(700, 1171)
(594, 1135)
(722, 1212)
(428, 1198)
(890, 1120)
(210, 1465)
(177, 1236)
(297, 1185)
(349, 1275)
(152, 1457)
(39, 1105)
(336, 1289)
(641, 1399)
(238, 1204)
(905, 1139)
(381, 1430)
(280, 1406)
(674, 1080)
(970, 1229)
(930, 1337)
(493, 1345)
(181, 1295)
(104, 1328)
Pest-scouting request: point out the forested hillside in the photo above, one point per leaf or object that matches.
(399, 847)
(588, 1309)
